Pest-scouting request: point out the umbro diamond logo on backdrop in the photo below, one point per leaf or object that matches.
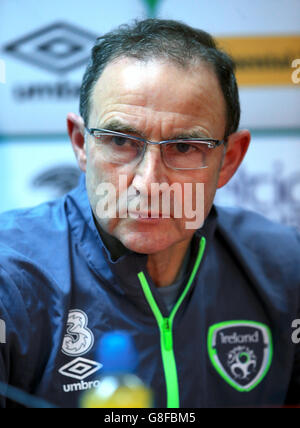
(59, 47)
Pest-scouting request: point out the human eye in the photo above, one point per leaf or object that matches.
(188, 147)
(120, 140)
(113, 140)
(127, 143)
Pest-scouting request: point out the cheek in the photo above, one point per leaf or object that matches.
(102, 177)
(210, 189)
(98, 171)
(209, 179)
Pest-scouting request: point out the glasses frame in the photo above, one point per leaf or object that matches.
(211, 143)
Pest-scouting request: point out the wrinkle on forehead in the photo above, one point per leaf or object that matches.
(156, 91)
(181, 126)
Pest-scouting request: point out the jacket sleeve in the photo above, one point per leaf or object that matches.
(293, 396)
(14, 337)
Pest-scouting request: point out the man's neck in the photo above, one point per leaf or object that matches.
(163, 267)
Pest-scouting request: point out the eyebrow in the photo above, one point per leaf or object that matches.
(191, 134)
(118, 126)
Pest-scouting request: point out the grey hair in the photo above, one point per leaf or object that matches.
(170, 40)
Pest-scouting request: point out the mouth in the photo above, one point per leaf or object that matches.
(147, 217)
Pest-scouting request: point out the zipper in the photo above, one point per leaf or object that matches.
(167, 335)
(165, 325)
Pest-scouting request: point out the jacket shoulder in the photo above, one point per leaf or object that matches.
(269, 252)
(256, 231)
(34, 240)
(25, 226)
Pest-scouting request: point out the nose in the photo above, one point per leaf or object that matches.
(150, 170)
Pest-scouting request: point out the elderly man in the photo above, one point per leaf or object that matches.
(208, 294)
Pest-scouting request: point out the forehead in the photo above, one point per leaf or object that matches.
(158, 93)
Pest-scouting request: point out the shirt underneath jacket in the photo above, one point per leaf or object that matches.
(225, 341)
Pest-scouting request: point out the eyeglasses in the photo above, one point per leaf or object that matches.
(179, 154)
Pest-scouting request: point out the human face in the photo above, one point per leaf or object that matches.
(160, 101)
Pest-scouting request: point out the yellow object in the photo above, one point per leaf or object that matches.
(118, 391)
(263, 60)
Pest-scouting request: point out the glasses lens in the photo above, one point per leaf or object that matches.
(186, 155)
(118, 149)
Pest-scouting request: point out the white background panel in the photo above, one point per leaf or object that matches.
(18, 18)
(35, 172)
(230, 17)
(268, 180)
(261, 107)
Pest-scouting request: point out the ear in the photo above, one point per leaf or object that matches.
(75, 126)
(236, 149)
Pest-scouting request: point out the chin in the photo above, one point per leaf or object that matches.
(145, 242)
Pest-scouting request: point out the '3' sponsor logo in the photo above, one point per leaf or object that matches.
(78, 339)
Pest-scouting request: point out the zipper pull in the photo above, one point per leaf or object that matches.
(167, 334)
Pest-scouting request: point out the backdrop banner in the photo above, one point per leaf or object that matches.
(268, 180)
(44, 49)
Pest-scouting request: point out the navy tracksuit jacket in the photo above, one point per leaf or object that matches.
(228, 342)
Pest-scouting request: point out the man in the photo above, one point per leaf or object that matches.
(210, 306)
